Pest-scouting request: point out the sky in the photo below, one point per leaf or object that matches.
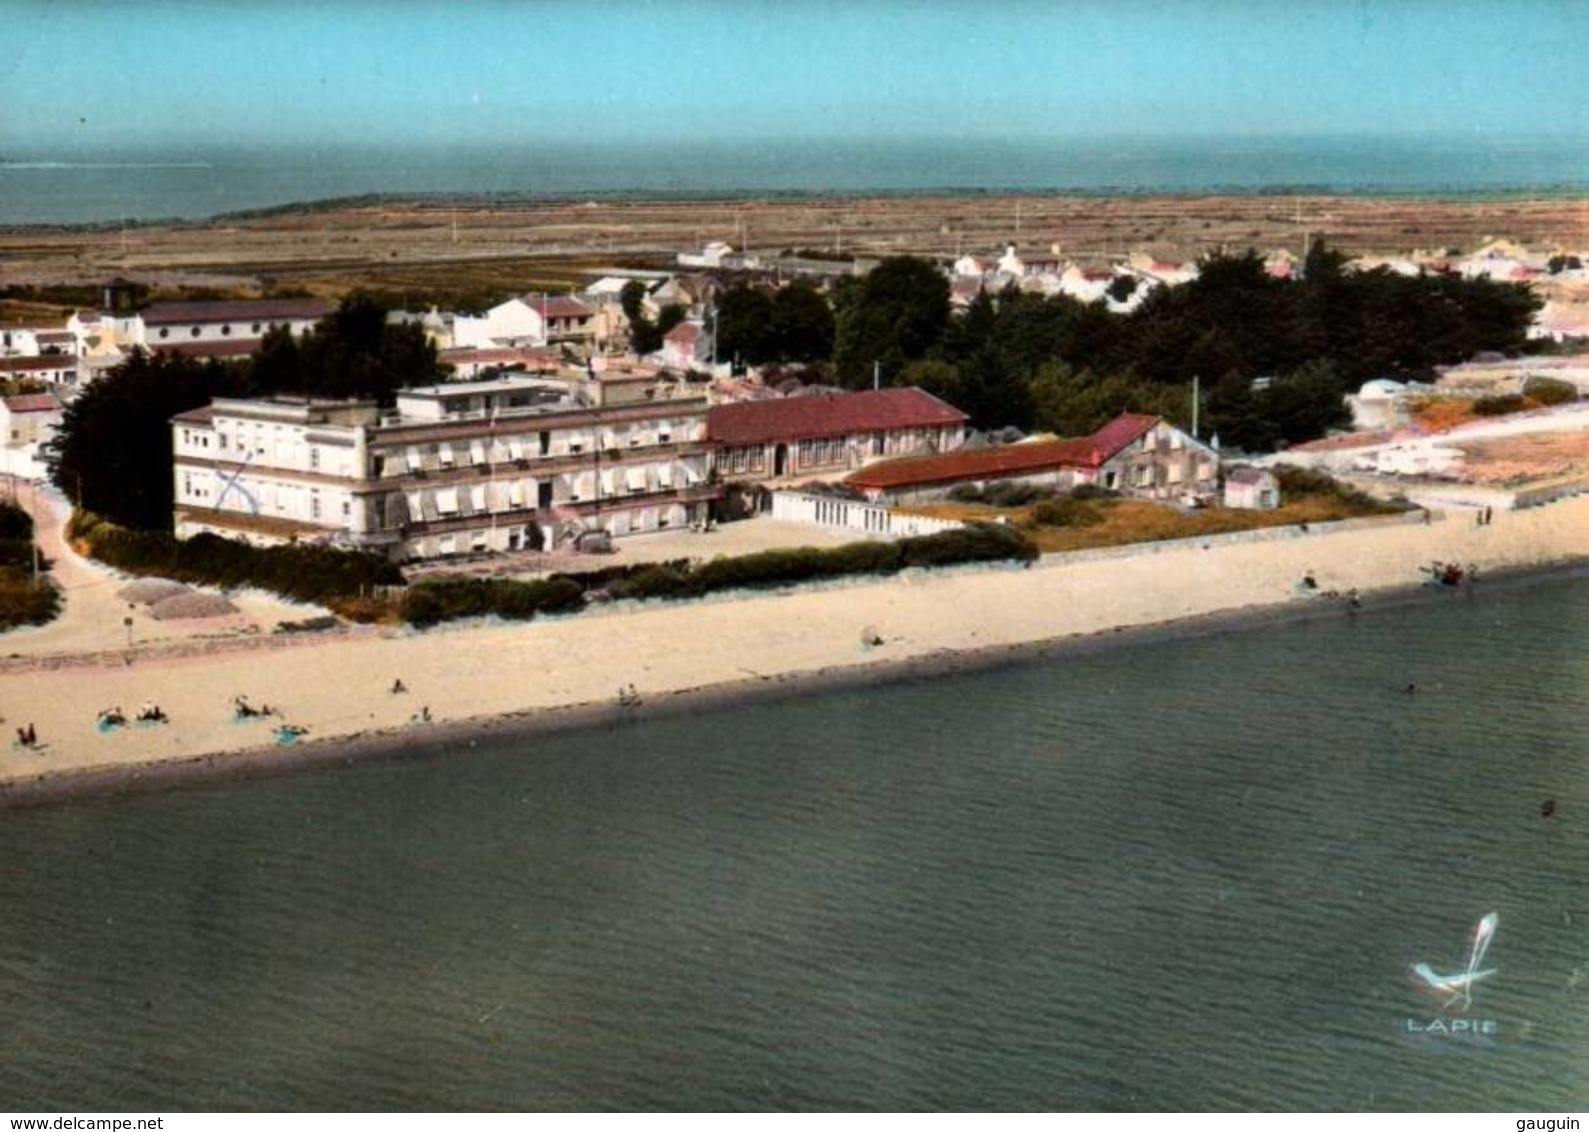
(235, 72)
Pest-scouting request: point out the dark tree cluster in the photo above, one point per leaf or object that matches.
(1274, 356)
(645, 336)
(112, 455)
(792, 325)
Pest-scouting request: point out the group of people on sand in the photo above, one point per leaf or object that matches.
(149, 712)
(27, 737)
(1450, 573)
(242, 709)
(423, 714)
(629, 697)
(1310, 585)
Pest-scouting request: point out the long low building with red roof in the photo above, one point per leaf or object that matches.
(827, 434)
(1135, 454)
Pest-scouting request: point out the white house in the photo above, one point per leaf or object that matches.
(687, 346)
(712, 255)
(52, 369)
(1254, 489)
(526, 320)
(1022, 264)
(1377, 405)
(27, 421)
(162, 325)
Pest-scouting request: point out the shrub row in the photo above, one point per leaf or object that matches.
(15, 523)
(427, 603)
(1549, 390)
(430, 602)
(25, 602)
(16, 552)
(1014, 494)
(1065, 513)
(1499, 406)
(1295, 481)
(306, 573)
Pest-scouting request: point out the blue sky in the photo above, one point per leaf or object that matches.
(227, 72)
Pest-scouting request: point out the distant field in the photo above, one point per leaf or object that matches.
(434, 251)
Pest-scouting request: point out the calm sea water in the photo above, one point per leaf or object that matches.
(71, 186)
(1183, 874)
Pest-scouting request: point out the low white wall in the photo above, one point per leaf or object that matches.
(20, 462)
(851, 515)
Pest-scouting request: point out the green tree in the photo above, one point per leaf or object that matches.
(744, 326)
(897, 314)
(802, 324)
(112, 454)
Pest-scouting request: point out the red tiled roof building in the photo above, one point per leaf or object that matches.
(829, 433)
(1135, 453)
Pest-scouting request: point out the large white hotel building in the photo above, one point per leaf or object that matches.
(510, 464)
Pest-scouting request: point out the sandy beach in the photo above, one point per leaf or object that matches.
(569, 671)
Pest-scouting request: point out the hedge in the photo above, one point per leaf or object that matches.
(430, 602)
(1065, 513)
(317, 574)
(24, 601)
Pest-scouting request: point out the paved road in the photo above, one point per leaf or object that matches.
(93, 618)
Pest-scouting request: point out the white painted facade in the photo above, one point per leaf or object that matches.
(870, 519)
(513, 464)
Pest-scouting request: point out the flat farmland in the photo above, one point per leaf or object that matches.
(433, 249)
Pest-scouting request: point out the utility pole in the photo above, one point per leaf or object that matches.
(877, 375)
(1196, 402)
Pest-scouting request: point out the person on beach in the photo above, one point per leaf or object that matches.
(22, 736)
(398, 687)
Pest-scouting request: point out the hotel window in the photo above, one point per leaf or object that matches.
(255, 328)
(1175, 473)
(194, 332)
(165, 332)
(314, 505)
(314, 458)
(226, 330)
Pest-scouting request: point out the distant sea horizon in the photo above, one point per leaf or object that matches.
(64, 185)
